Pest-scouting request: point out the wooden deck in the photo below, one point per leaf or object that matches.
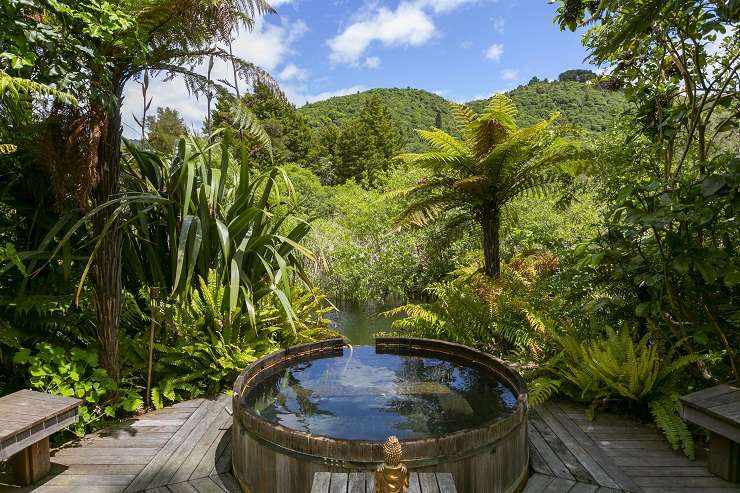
(570, 454)
(180, 449)
(185, 448)
(358, 482)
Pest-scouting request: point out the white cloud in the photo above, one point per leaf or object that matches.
(408, 25)
(300, 95)
(487, 95)
(292, 71)
(499, 23)
(372, 62)
(278, 3)
(268, 44)
(443, 6)
(509, 74)
(495, 51)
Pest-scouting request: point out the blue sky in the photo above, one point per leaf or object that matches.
(460, 49)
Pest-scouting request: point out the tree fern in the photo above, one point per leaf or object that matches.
(493, 164)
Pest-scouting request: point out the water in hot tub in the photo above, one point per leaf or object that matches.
(363, 395)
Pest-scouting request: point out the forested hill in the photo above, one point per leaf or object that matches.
(582, 104)
(409, 108)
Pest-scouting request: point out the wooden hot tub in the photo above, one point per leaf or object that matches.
(271, 458)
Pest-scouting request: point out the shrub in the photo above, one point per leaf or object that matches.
(76, 373)
(617, 368)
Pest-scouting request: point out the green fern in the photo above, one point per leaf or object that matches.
(666, 413)
(15, 87)
(541, 389)
(594, 372)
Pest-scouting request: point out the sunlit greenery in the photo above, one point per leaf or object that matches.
(585, 229)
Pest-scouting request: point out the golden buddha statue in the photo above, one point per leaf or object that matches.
(392, 476)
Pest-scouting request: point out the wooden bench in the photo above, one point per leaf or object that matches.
(718, 410)
(27, 419)
(364, 482)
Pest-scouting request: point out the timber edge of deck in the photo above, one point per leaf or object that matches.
(185, 448)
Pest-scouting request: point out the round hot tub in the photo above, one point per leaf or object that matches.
(328, 406)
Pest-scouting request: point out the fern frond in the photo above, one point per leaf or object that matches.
(16, 86)
(244, 119)
(444, 142)
(667, 417)
(426, 211)
(8, 148)
(462, 114)
(541, 389)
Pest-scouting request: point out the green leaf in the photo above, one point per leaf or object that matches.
(732, 276)
(643, 309)
(681, 264)
(712, 184)
(707, 271)
(22, 357)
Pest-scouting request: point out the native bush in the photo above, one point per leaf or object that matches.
(76, 373)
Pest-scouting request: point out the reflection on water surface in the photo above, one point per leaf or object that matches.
(367, 396)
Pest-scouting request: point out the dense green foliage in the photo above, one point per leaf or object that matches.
(362, 148)
(472, 180)
(92, 50)
(76, 373)
(290, 136)
(585, 228)
(410, 109)
(580, 104)
(99, 237)
(164, 129)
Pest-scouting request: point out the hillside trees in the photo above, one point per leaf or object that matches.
(165, 128)
(473, 179)
(577, 75)
(121, 39)
(361, 149)
(290, 135)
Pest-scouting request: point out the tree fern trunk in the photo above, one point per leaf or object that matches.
(107, 271)
(490, 222)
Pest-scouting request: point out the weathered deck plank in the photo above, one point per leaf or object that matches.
(155, 467)
(325, 482)
(187, 448)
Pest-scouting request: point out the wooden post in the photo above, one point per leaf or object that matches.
(153, 295)
(32, 464)
(724, 458)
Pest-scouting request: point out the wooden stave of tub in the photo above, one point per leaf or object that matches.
(270, 458)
